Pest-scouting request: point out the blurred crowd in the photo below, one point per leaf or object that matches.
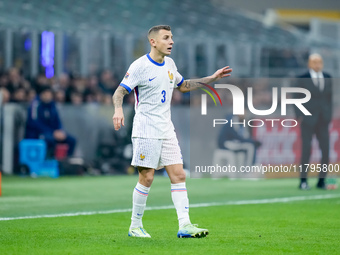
(67, 88)
(98, 89)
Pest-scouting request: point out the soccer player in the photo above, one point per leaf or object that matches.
(153, 77)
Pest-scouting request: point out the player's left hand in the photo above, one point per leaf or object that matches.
(221, 73)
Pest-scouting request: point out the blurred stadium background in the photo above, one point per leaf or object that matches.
(82, 50)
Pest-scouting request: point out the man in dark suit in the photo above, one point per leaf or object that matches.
(320, 106)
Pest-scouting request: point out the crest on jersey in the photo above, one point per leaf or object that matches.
(142, 156)
(126, 75)
(171, 76)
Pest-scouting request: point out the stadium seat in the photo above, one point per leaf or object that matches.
(32, 153)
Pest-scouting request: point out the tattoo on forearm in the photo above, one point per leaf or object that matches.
(195, 83)
(118, 96)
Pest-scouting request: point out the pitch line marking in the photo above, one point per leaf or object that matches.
(240, 202)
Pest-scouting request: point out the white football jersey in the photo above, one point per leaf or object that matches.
(153, 84)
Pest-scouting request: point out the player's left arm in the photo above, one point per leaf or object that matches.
(189, 85)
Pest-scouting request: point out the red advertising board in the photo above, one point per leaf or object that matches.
(282, 145)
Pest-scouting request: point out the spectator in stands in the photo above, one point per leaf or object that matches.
(76, 98)
(92, 90)
(19, 95)
(62, 83)
(108, 83)
(31, 95)
(237, 138)
(14, 80)
(59, 96)
(41, 82)
(67, 88)
(5, 96)
(79, 85)
(92, 83)
(4, 80)
(90, 96)
(43, 122)
(17, 86)
(76, 90)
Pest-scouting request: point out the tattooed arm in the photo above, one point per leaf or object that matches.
(117, 99)
(189, 85)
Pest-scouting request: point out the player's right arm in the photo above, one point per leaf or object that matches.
(117, 99)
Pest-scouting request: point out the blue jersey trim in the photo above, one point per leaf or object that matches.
(179, 84)
(125, 86)
(154, 62)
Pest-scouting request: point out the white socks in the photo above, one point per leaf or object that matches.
(139, 197)
(180, 199)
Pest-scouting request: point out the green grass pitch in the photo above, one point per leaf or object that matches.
(305, 226)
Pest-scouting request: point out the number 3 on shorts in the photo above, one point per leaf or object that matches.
(164, 94)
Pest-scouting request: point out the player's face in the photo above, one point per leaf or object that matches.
(163, 42)
(316, 64)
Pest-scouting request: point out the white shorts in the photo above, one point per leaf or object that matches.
(156, 153)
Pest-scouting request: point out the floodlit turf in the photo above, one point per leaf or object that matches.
(300, 227)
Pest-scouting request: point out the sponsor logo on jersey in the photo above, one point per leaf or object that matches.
(171, 76)
(142, 157)
(152, 78)
(126, 75)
